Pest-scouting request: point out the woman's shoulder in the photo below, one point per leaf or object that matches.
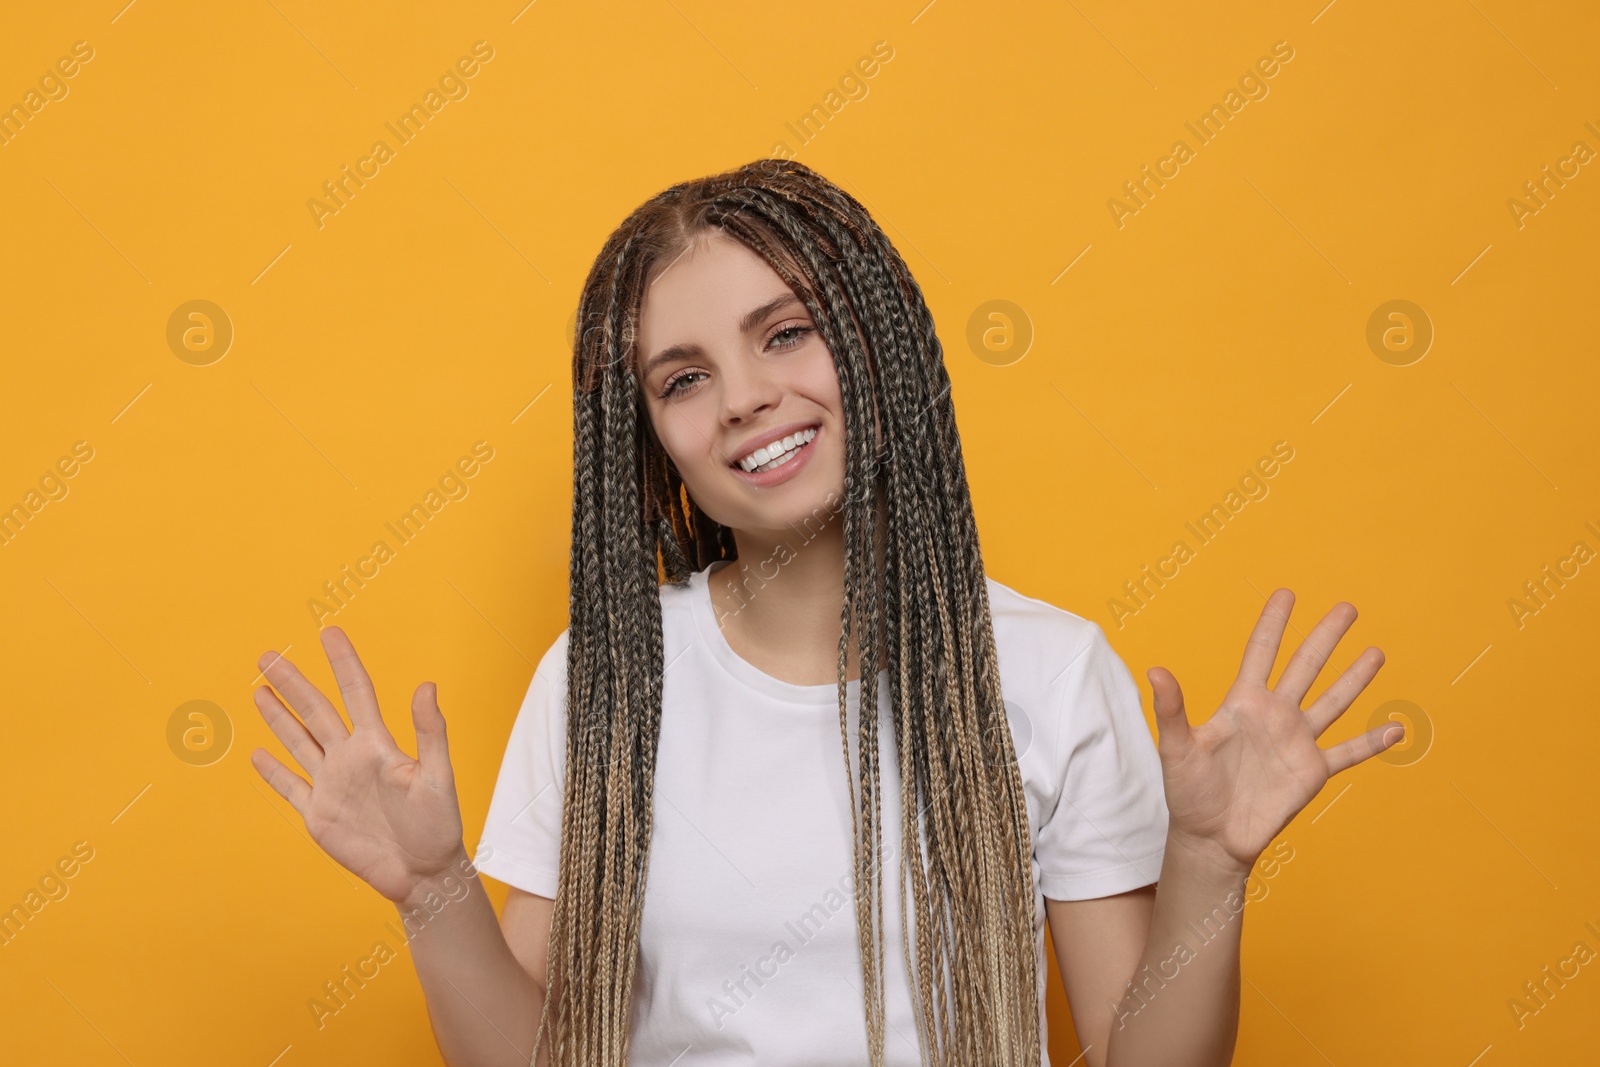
(553, 664)
(1035, 629)
(675, 606)
(1049, 656)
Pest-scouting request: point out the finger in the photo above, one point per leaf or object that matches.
(288, 729)
(284, 782)
(1261, 650)
(433, 747)
(1309, 659)
(1347, 754)
(360, 698)
(314, 709)
(1172, 721)
(1338, 697)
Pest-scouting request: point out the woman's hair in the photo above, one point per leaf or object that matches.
(919, 591)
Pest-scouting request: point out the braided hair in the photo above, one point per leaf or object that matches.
(914, 601)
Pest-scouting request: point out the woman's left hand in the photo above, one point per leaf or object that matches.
(1234, 781)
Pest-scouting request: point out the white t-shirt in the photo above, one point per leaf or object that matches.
(748, 947)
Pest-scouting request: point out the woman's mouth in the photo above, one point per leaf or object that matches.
(778, 461)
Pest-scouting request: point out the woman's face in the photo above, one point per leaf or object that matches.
(732, 362)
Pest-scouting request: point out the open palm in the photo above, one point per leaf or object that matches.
(1234, 781)
(391, 820)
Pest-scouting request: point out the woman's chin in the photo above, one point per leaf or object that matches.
(804, 516)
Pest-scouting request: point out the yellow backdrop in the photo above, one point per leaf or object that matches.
(1234, 296)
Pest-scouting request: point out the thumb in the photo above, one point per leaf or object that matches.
(1172, 722)
(433, 747)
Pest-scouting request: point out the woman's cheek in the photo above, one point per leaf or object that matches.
(689, 430)
(820, 378)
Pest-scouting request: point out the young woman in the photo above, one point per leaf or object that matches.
(771, 531)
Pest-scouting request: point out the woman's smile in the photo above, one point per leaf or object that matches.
(778, 462)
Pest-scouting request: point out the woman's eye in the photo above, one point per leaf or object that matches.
(672, 386)
(799, 333)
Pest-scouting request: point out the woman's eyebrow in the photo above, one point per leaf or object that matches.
(751, 319)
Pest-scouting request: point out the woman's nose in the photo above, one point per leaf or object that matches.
(747, 390)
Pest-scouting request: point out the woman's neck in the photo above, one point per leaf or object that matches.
(779, 603)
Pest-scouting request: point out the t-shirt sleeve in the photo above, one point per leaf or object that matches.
(1107, 832)
(521, 841)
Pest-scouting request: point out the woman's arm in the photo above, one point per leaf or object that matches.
(1097, 947)
(1232, 784)
(395, 822)
(1152, 975)
(484, 979)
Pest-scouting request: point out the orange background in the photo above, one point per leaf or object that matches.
(1230, 312)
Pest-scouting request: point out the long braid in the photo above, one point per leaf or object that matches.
(915, 603)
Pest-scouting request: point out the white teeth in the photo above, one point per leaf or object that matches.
(774, 464)
(777, 453)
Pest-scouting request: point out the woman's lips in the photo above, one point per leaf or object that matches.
(790, 468)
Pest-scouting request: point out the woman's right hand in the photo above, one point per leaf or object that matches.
(391, 820)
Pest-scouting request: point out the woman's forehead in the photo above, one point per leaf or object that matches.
(708, 292)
